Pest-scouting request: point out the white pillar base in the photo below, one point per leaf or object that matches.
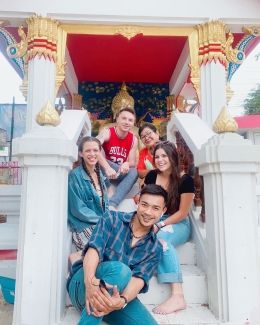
(47, 157)
(229, 164)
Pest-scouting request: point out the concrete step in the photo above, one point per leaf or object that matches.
(195, 314)
(194, 286)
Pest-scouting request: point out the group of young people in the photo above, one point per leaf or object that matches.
(119, 252)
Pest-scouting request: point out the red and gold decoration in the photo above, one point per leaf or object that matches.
(212, 40)
(42, 37)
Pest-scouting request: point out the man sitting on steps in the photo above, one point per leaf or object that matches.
(120, 147)
(120, 259)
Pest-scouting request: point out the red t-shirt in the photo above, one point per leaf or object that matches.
(117, 149)
(145, 161)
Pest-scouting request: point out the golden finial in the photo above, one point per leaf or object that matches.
(225, 122)
(48, 115)
(122, 100)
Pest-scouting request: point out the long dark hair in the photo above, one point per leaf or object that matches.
(173, 187)
(97, 167)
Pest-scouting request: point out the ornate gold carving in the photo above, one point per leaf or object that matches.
(48, 115)
(170, 102)
(251, 30)
(18, 50)
(76, 101)
(24, 85)
(42, 37)
(128, 31)
(95, 29)
(194, 62)
(233, 55)
(60, 64)
(212, 39)
(4, 23)
(229, 92)
(121, 100)
(225, 122)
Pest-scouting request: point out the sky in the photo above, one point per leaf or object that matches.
(243, 81)
(9, 83)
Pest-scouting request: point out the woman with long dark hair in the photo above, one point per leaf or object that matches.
(87, 194)
(174, 227)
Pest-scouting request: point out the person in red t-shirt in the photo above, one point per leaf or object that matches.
(149, 136)
(120, 146)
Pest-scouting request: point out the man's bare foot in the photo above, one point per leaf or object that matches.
(175, 303)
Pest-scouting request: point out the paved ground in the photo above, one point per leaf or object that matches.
(6, 312)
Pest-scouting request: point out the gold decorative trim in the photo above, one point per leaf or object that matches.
(194, 62)
(233, 55)
(128, 31)
(4, 23)
(229, 92)
(48, 115)
(212, 39)
(60, 63)
(251, 30)
(112, 29)
(76, 101)
(18, 50)
(42, 37)
(225, 122)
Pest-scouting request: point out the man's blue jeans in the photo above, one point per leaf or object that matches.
(169, 269)
(124, 183)
(114, 273)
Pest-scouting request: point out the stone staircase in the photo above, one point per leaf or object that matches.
(195, 289)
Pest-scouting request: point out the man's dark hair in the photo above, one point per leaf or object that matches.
(154, 189)
(147, 125)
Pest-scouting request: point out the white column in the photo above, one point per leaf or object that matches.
(213, 91)
(212, 62)
(229, 164)
(41, 88)
(43, 242)
(46, 155)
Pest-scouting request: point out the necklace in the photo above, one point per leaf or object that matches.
(132, 231)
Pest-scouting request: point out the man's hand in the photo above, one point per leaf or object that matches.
(93, 294)
(114, 302)
(124, 168)
(111, 173)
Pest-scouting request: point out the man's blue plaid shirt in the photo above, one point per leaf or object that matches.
(112, 239)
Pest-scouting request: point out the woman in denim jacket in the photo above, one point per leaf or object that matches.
(87, 194)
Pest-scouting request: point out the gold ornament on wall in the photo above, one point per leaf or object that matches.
(42, 37)
(233, 55)
(48, 115)
(251, 30)
(225, 122)
(122, 100)
(18, 50)
(128, 31)
(212, 39)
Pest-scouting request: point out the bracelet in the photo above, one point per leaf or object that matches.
(126, 301)
(160, 224)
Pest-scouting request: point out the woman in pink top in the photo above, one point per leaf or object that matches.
(149, 136)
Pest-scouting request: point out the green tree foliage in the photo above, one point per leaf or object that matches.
(252, 102)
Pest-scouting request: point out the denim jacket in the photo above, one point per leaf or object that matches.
(84, 204)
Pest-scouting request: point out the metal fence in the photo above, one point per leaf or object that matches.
(10, 173)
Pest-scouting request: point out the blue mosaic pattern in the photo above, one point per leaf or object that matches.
(232, 67)
(9, 39)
